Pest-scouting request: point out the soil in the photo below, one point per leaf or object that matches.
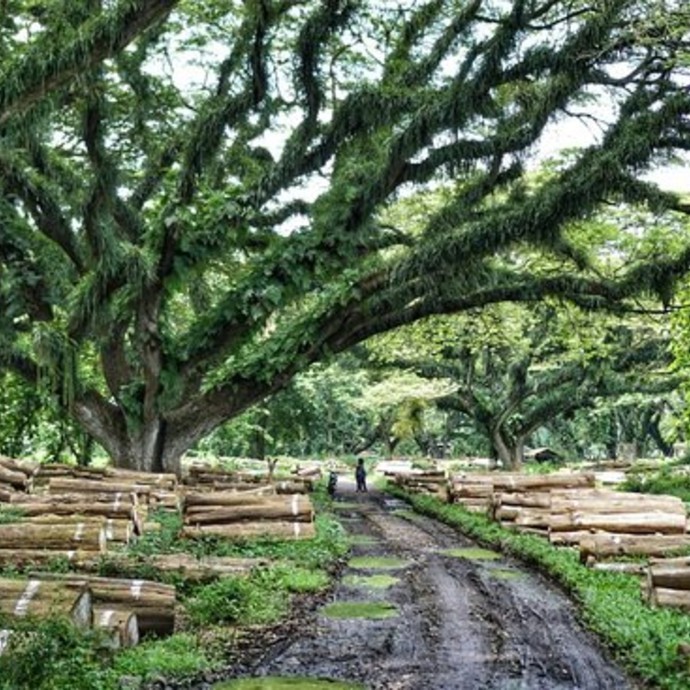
(464, 622)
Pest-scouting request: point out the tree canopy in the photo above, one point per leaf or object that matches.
(197, 199)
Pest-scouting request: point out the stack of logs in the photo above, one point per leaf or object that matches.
(248, 514)
(124, 609)
(667, 582)
(429, 482)
(204, 478)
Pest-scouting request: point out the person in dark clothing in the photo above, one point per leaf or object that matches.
(361, 475)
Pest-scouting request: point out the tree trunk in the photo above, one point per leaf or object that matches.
(510, 454)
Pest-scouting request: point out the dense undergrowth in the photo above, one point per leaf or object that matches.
(54, 655)
(645, 640)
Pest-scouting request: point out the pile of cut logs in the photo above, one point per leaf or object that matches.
(205, 478)
(431, 482)
(667, 582)
(124, 609)
(248, 514)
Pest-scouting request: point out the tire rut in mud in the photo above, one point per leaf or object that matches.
(463, 623)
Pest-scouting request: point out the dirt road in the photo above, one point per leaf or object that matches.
(463, 622)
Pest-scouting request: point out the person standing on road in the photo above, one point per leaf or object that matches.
(361, 475)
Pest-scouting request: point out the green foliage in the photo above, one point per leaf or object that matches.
(166, 261)
(666, 481)
(644, 639)
(51, 655)
(9, 514)
(180, 655)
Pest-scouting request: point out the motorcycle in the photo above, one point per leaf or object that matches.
(332, 482)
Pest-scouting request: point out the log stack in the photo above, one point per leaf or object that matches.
(246, 515)
(430, 482)
(667, 583)
(516, 500)
(153, 603)
(16, 476)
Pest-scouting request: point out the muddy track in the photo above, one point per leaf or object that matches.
(463, 623)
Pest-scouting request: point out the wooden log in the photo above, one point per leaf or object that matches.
(533, 517)
(40, 558)
(531, 499)
(187, 566)
(674, 598)
(617, 503)
(296, 508)
(252, 530)
(570, 538)
(121, 627)
(604, 545)
(27, 467)
(637, 569)
(61, 537)
(472, 490)
(228, 498)
(152, 602)
(63, 485)
(116, 530)
(160, 480)
(624, 523)
(672, 573)
(529, 482)
(6, 492)
(41, 598)
(14, 478)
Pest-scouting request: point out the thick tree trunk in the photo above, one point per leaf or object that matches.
(510, 454)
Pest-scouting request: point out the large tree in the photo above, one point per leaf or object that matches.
(193, 195)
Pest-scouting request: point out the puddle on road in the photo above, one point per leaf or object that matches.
(473, 554)
(362, 540)
(373, 610)
(377, 562)
(372, 581)
(504, 574)
(287, 683)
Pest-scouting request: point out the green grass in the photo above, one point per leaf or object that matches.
(372, 581)
(473, 554)
(644, 639)
(372, 610)
(377, 562)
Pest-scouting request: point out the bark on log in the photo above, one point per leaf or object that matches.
(606, 545)
(41, 598)
(615, 503)
(120, 531)
(27, 467)
(571, 538)
(120, 625)
(533, 517)
(190, 568)
(228, 498)
(296, 508)
(472, 490)
(40, 558)
(638, 569)
(14, 478)
(624, 523)
(152, 602)
(529, 482)
(111, 510)
(674, 598)
(672, 573)
(90, 486)
(531, 499)
(160, 480)
(65, 538)
(253, 530)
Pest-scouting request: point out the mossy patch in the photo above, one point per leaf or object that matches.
(362, 540)
(503, 574)
(377, 562)
(287, 683)
(373, 581)
(473, 554)
(374, 610)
